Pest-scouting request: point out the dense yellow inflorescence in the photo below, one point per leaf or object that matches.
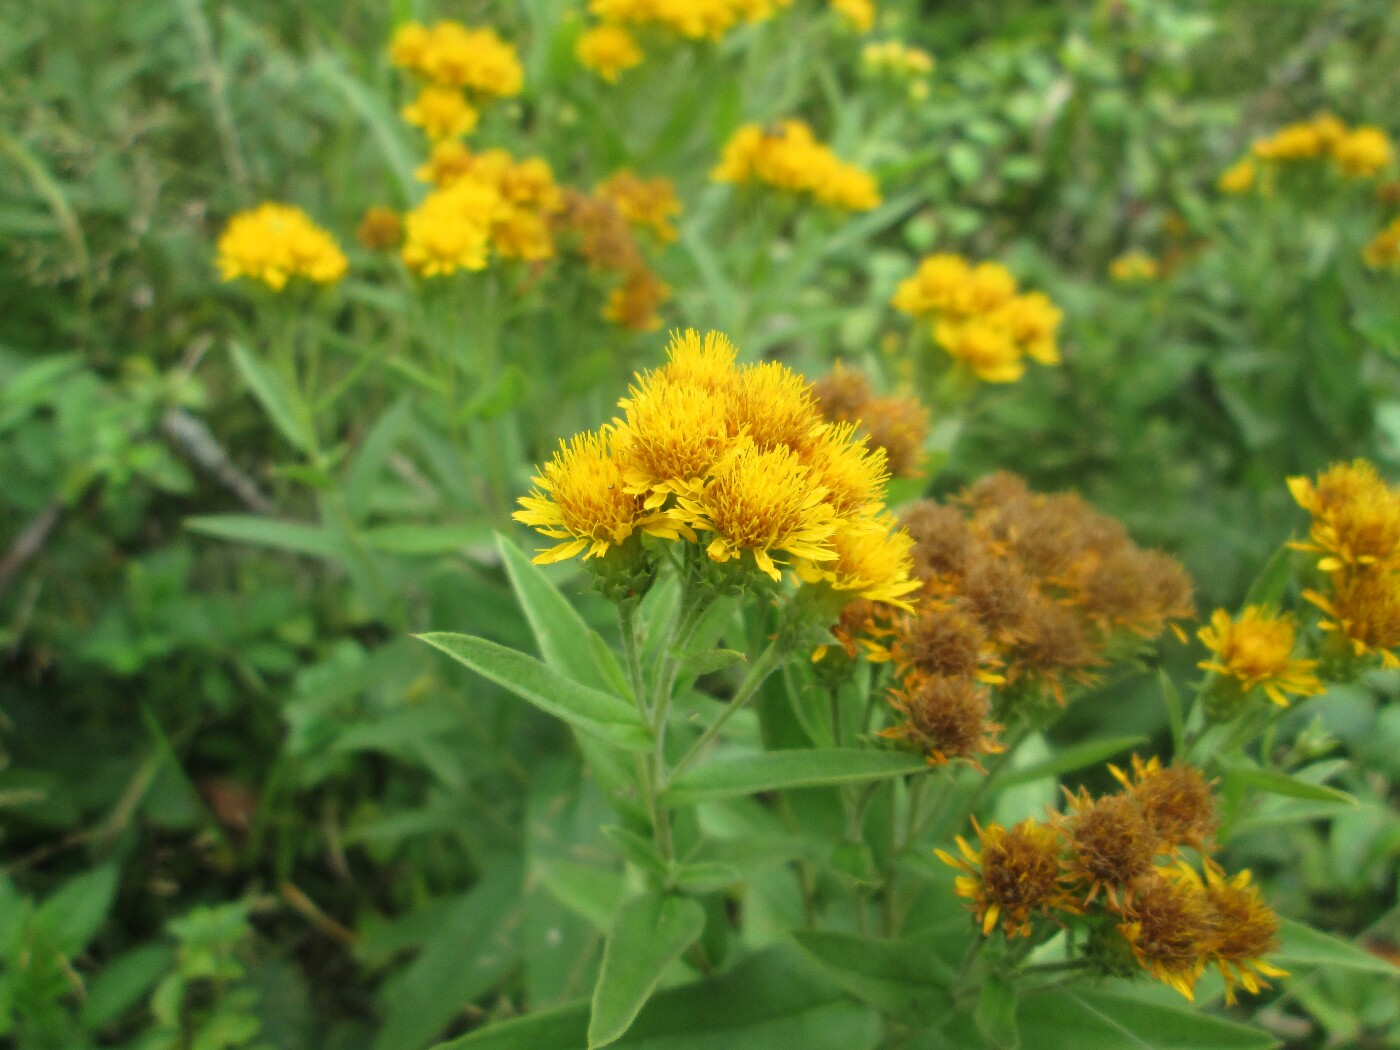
(1355, 153)
(736, 458)
(274, 243)
(788, 157)
(979, 317)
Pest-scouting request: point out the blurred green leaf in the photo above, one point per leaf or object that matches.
(782, 770)
(1067, 760)
(1301, 948)
(269, 532)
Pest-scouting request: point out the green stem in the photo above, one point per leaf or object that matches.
(766, 663)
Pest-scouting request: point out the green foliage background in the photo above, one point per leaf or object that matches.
(242, 807)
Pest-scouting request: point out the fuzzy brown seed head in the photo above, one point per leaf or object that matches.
(1021, 869)
(1169, 926)
(942, 541)
(898, 425)
(1060, 531)
(1052, 640)
(940, 640)
(997, 592)
(380, 229)
(945, 717)
(1245, 927)
(1179, 804)
(996, 491)
(1139, 590)
(841, 394)
(1111, 840)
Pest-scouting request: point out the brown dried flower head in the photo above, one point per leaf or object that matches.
(946, 718)
(1110, 842)
(1177, 801)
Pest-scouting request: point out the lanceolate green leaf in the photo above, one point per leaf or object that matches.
(903, 978)
(648, 934)
(277, 401)
(587, 709)
(1277, 783)
(269, 532)
(1305, 948)
(1066, 1019)
(771, 1000)
(780, 770)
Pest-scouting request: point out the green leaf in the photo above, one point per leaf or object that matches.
(1277, 783)
(277, 401)
(591, 893)
(1176, 712)
(1303, 948)
(996, 1012)
(708, 661)
(638, 850)
(566, 641)
(1272, 582)
(587, 709)
(902, 978)
(1070, 759)
(706, 877)
(781, 770)
(426, 539)
(772, 999)
(648, 934)
(1103, 1020)
(268, 532)
(72, 914)
(123, 982)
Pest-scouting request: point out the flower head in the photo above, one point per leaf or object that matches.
(946, 719)
(941, 639)
(789, 157)
(442, 113)
(1364, 608)
(1256, 650)
(650, 204)
(1362, 152)
(762, 502)
(452, 55)
(1384, 247)
(871, 563)
(608, 50)
(1355, 517)
(380, 229)
(451, 229)
(581, 498)
(1168, 924)
(1238, 178)
(273, 243)
(858, 14)
(1134, 266)
(984, 347)
(1177, 801)
(1110, 842)
(1013, 875)
(633, 303)
(1246, 929)
(671, 439)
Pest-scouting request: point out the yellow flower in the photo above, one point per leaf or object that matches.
(1134, 266)
(476, 60)
(706, 363)
(1384, 249)
(789, 157)
(409, 44)
(1033, 321)
(985, 349)
(1362, 152)
(581, 498)
(1355, 517)
(938, 286)
(671, 438)
(442, 113)
(897, 59)
(773, 405)
(990, 286)
(1014, 875)
(1246, 929)
(1294, 142)
(608, 50)
(872, 562)
(1238, 178)
(273, 243)
(451, 229)
(1169, 926)
(853, 474)
(647, 203)
(1365, 609)
(1256, 650)
(448, 161)
(859, 14)
(763, 502)
(632, 304)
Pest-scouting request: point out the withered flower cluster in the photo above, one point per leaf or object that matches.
(894, 423)
(1117, 863)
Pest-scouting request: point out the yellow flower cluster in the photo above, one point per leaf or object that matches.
(648, 204)
(692, 19)
(1360, 152)
(1134, 267)
(462, 67)
(481, 203)
(858, 14)
(1101, 858)
(979, 318)
(273, 243)
(901, 62)
(609, 50)
(740, 454)
(789, 157)
(1355, 535)
(1255, 651)
(1384, 249)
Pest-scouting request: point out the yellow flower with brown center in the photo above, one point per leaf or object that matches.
(1362, 152)
(441, 113)
(872, 562)
(1246, 929)
(1012, 876)
(650, 204)
(1177, 801)
(1238, 178)
(762, 502)
(581, 497)
(1169, 926)
(1256, 651)
(1356, 517)
(608, 50)
(1364, 608)
(946, 719)
(1110, 841)
(274, 243)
